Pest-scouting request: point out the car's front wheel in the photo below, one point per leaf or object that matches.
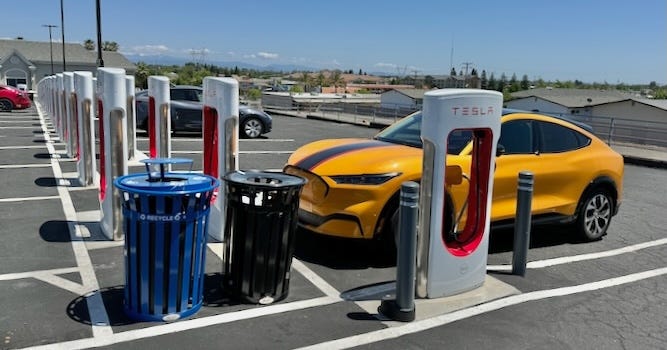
(6, 105)
(252, 128)
(595, 212)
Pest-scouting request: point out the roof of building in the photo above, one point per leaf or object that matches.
(412, 93)
(574, 98)
(40, 52)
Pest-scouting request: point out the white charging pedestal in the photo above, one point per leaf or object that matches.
(159, 117)
(83, 105)
(452, 263)
(220, 135)
(113, 146)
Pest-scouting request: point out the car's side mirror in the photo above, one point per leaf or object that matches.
(453, 175)
(500, 150)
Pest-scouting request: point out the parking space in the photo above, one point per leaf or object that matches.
(62, 285)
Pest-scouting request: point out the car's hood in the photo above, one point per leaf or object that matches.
(354, 156)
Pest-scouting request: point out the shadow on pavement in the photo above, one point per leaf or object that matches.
(342, 253)
(55, 231)
(502, 240)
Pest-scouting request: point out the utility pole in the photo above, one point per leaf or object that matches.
(465, 75)
(466, 65)
(62, 31)
(100, 61)
(50, 42)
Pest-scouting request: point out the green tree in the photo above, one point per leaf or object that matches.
(321, 80)
(525, 83)
(110, 46)
(89, 45)
(429, 81)
(141, 75)
(493, 84)
(296, 89)
(514, 83)
(336, 79)
(452, 72)
(502, 83)
(254, 94)
(307, 81)
(484, 80)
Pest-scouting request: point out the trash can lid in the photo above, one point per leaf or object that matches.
(163, 182)
(264, 179)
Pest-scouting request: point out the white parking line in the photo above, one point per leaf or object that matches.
(20, 166)
(420, 326)
(189, 324)
(353, 341)
(19, 127)
(26, 199)
(31, 274)
(98, 315)
(581, 257)
(21, 147)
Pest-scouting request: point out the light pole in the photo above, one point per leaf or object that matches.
(100, 61)
(50, 42)
(62, 31)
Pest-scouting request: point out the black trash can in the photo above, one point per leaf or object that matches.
(165, 216)
(260, 226)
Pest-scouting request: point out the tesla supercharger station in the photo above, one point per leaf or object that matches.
(60, 119)
(70, 120)
(221, 143)
(159, 117)
(111, 104)
(449, 264)
(83, 105)
(131, 109)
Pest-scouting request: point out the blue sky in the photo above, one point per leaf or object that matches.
(590, 40)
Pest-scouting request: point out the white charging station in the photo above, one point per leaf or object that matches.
(159, 117)
(452, 264)
(220, 135)
(60, 119)
(133, 152)
(83, 105)
(70, 121)
(111, 104)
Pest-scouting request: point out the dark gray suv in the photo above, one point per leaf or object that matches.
(186, 113)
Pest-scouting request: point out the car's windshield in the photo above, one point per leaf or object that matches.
(407, 131)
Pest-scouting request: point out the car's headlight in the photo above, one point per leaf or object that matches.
(365, 179)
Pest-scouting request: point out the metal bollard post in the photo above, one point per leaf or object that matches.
(522, 224)
(403, 307)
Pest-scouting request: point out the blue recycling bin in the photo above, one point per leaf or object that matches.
(165, 216)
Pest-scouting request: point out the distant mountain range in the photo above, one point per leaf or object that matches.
(173, 60)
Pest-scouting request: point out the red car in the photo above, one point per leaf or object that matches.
(13, 98)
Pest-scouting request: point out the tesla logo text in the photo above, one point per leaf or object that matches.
(472, 110)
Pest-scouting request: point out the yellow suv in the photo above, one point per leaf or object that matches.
(353, 184)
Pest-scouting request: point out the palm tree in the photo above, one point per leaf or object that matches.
(336, 79)
(109, 46)
(307, 80)
(321, 80)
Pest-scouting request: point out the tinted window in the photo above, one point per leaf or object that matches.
(556, 138)
(407, 131)
(517, 137)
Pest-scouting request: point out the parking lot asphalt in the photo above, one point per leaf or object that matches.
(61, 283)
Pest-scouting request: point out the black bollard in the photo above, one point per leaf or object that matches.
(403, 307)
(524, 198)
